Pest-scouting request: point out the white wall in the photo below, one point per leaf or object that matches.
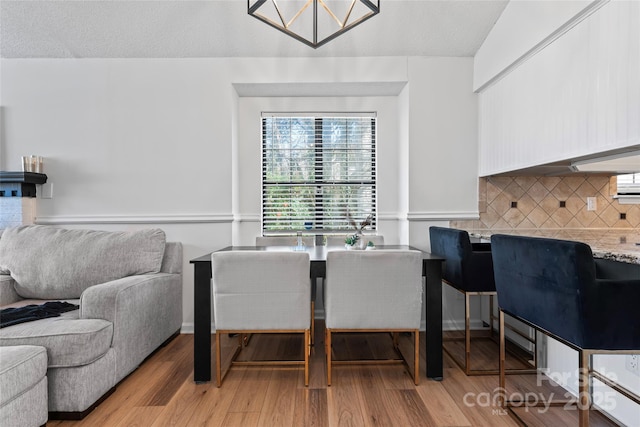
(442, 143)
(521, 27)
(134, 143)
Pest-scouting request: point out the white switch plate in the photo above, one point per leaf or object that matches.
(591, 203)
(633, 363)
(47, 190)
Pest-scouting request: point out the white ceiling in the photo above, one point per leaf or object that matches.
(222, 28)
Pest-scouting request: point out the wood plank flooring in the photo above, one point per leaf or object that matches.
(161, 392)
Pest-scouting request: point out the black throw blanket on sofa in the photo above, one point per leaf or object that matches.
(13, 316)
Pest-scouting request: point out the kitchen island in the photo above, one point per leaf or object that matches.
(616, 244)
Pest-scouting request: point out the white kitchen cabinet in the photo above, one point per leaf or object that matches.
(578, 96)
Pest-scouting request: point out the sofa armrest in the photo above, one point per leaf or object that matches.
(172, 260)
(8, 294)
(145, 311)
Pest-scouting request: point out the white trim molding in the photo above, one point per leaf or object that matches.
(135, 219)
(442, 216)
(246, 218)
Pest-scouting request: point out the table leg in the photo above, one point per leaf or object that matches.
(433, 315)
(202, 323)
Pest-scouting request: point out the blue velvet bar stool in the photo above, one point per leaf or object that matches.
(468, 269)
(558, 288)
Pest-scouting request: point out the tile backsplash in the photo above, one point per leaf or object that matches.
(530, 202)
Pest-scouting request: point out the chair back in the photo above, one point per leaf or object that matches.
(377, 240)
(545, 282)
(377, 289)
(465, 268)
(261, 290)
(284, 240)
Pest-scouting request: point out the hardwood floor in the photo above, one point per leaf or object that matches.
(161, 392)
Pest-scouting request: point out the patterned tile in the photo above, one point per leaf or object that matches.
(538, 191)
(526, 204)
(549, 182)
(514, 191)
(563, 190)
(538, 203)
(586, 217)
(586, 190)
(562, 217)
(526, 224)
(633, 216)
(610, 216)
(575, 204)
(513, 217)
(574, 181)
(492, 191)
(525, 182)
(550, 204)
(501, 204)
(538, 216)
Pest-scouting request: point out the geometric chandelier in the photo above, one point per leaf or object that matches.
(313, 22)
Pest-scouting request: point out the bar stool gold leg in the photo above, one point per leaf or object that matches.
(502, 398)
(584, 389)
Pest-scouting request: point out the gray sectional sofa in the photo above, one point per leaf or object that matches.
(128, 286)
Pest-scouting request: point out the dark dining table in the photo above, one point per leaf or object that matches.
(431, 270)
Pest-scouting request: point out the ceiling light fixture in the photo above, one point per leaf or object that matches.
(312, 25)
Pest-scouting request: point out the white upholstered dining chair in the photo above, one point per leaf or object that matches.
(261, 292)
(373, 291)
(308, 241)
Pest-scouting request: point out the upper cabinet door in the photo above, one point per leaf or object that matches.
(579, 95)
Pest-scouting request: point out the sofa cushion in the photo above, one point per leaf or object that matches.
(69, 341)
(53, 263)
(21, 368)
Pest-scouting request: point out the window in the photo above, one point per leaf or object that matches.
(629, 184)
(628, 189)
(316, 169)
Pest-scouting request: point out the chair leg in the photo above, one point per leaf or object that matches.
(327, 349)
(218, 361)
(307, 346)
(467, 334)
(313, 321)
(491, 316)
(416, 357)
(584, 389)
(501, 361)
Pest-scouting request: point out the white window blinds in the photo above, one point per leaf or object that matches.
(629, 183)
(315, 169)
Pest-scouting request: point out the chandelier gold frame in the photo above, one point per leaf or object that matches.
(343, 23)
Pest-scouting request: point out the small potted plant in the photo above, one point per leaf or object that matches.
(350, 241)
(356, 240)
